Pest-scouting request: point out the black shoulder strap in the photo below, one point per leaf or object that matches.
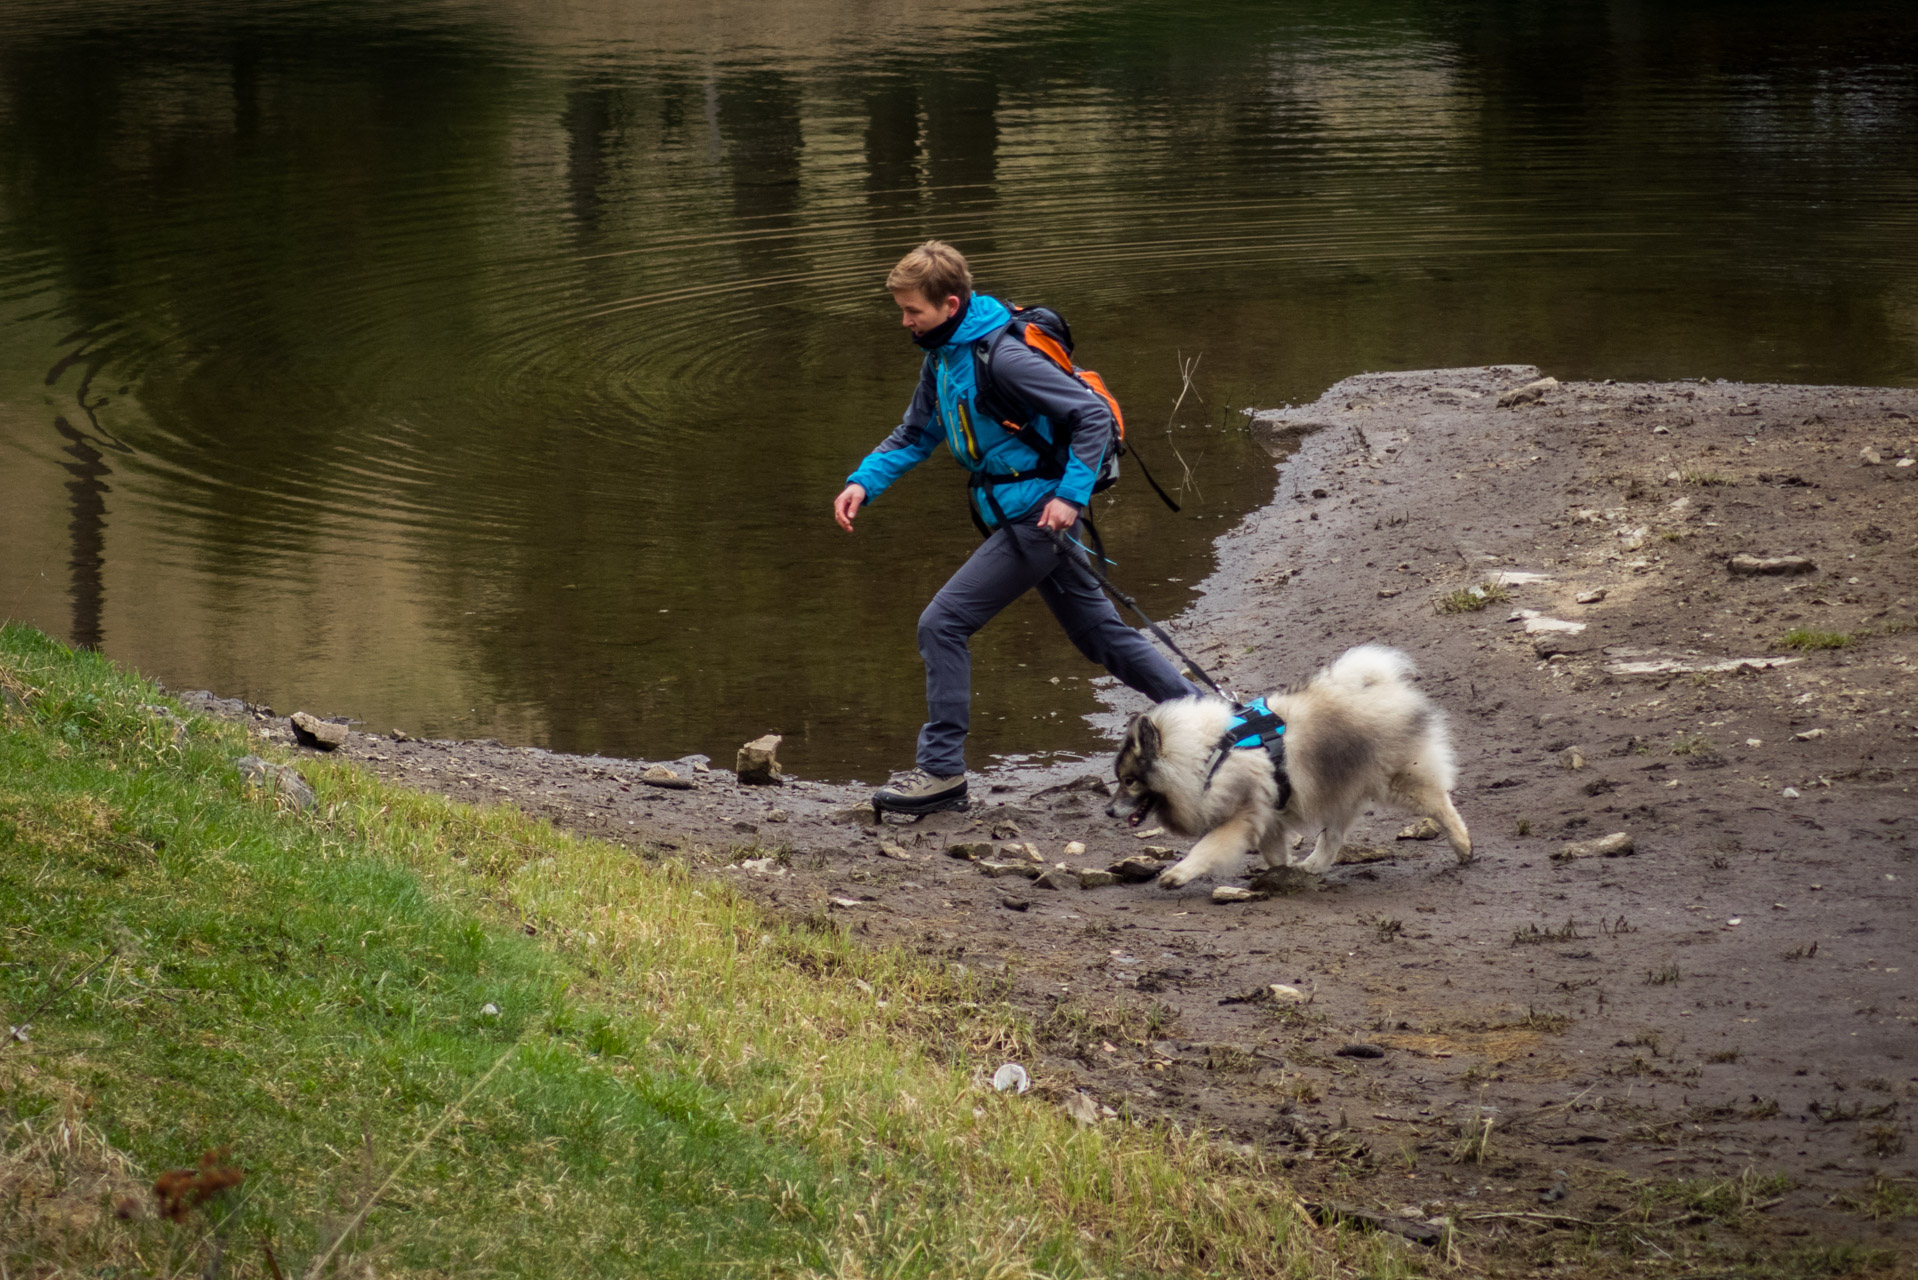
(985, 394)
(989, 400)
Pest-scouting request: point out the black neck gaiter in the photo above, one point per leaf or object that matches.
(933, 339)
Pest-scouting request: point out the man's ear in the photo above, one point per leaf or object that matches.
(952, 305)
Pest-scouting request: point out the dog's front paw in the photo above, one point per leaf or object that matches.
(1177, 876)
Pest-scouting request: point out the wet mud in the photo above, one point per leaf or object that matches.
(1523, 1044)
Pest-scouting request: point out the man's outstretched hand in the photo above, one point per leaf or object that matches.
(846, 505)
(1058, 516)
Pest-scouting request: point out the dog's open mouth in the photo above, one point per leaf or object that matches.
(1147, 803)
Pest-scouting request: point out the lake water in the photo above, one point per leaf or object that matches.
(488, 369)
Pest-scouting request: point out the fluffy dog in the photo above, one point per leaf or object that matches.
(1356, 732)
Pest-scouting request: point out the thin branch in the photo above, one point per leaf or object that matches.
(1186, 370)
(446, 1117)
(47, 1003)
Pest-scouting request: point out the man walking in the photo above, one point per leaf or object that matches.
(1035, 453)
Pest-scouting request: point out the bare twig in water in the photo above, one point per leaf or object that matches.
(366, 1206)
(1186, 370)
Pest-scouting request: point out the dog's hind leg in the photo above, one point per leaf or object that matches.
(1278, 839)
(1215, 851)
(1442, 810)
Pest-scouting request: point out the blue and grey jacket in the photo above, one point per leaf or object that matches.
(943, 407)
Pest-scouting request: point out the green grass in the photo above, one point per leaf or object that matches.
(1729, 1200)
(1472, 599)
(681, 1084)
(1804, 638)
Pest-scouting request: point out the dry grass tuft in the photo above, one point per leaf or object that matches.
(64, 1188)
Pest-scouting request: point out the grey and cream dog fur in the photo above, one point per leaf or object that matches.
(1356, 733)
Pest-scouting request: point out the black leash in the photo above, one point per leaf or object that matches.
(1076, 550)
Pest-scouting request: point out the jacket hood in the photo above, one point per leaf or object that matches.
(986, 314)
(983, 314)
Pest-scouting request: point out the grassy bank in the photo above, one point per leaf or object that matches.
(439, 1039)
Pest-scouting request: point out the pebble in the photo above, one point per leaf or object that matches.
(1147, 835)
(1423, 829)
(998, 869)
(1358, 1051)
(1232, 893)
(285, 783)
(1075, 849)
(1617, 845)
(1590, 597)
(1135, 870)
(1770, 565)
(1093, 878)
(970, 850)
(1790, 793)
(1292, 995)
(311, 731)
(757, 763)
(1570, 758)
(894, 852)
(1082, 1109)
(1526, 394)
(1809, 735)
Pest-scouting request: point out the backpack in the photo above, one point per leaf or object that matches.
(1046, 331)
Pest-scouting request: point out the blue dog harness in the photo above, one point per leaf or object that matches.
(1255, 725)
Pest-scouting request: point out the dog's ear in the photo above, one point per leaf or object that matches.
(1149, 741)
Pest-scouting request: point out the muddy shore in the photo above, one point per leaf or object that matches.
(1735, 995)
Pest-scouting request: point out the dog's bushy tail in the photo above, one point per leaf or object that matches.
(1369, 665)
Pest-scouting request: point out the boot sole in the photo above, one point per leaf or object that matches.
(918, 808)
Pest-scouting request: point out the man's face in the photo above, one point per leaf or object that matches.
(921, 314)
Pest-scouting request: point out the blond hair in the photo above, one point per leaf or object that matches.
(935, 270)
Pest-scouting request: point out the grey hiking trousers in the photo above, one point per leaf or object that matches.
(1011, 562)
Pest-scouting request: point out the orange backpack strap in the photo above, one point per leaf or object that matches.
(1047, 345)
(1098, 387)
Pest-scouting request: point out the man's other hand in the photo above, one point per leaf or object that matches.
(1059, 515)
(846, 505)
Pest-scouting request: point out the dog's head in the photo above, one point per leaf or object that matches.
(1135, 798)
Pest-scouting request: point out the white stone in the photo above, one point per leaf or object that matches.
(1540, 626)
(1011, 1076)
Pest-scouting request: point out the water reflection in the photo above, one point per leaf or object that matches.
(488, 368)
(87, 503)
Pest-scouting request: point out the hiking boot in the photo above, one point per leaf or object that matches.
(920, 792)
